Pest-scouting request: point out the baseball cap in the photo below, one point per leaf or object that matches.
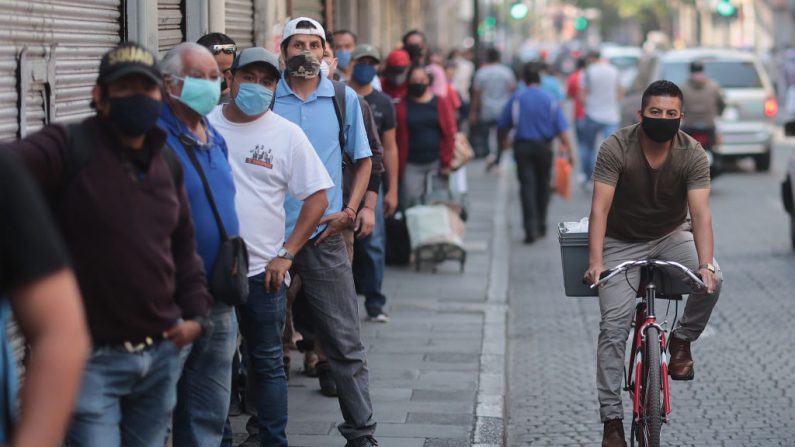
(292, 29)
(128, 58)
(399, 58)
(366, 50)
(696, 67)
(256, 54)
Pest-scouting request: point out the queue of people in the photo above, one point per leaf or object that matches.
(301, 155)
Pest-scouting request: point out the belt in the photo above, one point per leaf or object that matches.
(133, 346)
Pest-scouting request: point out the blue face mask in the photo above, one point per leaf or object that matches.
(201, 95)
(253, 99)
(363, 74)
(344, 58)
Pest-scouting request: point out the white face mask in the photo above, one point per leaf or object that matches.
(324, 69)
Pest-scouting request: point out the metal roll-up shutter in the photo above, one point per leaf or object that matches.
(240, 22)
(50, 56)
(170, 24)
(309, 8)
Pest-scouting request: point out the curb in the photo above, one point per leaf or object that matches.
(489, 422)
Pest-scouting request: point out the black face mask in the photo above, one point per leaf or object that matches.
(414, 51)
(417, 90)
(660, 129)
(134, 115)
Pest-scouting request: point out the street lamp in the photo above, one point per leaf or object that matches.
(519, 11)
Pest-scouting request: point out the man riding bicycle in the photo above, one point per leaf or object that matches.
(647, 177)
(704, 103)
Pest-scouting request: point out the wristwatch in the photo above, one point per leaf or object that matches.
(284, 254)
(707, 266)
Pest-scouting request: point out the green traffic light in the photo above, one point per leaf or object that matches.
(725, 8)
(580, 23)
(519, 11)
(490, 22)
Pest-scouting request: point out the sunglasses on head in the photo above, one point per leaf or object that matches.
(228, 49)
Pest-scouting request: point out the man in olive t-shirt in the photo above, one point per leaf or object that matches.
(646, 178)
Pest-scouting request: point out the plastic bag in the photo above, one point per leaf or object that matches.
(563, 177)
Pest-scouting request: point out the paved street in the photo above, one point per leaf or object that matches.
(744, 387)
(425, 364)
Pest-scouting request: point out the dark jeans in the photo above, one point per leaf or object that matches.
(533, 167)
(327, 280)
(262, 321)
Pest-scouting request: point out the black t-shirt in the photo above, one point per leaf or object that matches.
(30, 247)
(425, 133)
(383, 111)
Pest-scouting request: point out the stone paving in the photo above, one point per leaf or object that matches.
(744, 387)
(428, 380)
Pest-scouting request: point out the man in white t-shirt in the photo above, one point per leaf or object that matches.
(270, 156)
(600, 92)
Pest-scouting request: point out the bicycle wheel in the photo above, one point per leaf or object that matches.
(651, 389)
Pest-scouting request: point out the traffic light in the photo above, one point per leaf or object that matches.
(519, 11)
(580, 23)
(725, 8)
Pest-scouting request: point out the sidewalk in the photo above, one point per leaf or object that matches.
(437, 368)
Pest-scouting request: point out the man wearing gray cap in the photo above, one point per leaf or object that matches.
(270, 156)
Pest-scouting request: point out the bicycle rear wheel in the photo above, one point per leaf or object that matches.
(651, 390)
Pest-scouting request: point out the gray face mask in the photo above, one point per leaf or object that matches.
(304, 65)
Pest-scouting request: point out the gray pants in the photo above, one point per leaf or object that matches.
(327, 279)
(415, 179)
(617, 305)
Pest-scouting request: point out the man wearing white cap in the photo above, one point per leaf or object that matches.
(308, 99)
(270, 156)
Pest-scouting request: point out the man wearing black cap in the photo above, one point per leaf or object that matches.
(269, 156)
(118, 199)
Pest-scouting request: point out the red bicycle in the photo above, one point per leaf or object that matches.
(646, 373)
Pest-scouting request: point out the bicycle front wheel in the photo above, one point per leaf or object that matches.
(651, 390)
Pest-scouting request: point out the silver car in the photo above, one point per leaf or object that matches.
(747, 125)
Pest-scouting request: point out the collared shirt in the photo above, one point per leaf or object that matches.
(213, 159)
(317, 119)
(534, 113)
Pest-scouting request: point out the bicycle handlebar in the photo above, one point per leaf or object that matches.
(624, 266)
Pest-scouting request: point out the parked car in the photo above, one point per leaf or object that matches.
(747, 125)
(787, 187)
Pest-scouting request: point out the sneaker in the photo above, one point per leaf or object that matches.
(377, 316)
(364, 441)
(328, 387)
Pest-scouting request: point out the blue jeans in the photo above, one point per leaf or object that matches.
(368, 262)
(205, 386)
(126, 398)
(587, 131)
(262, 321)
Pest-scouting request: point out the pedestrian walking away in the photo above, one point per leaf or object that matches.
(647, 177)
(192, 83)
(307, 99)
(492, 87)
(121, 207)
(600, 90)
(38, 283)
(538, 120)
(269, 156)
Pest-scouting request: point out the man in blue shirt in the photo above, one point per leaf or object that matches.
(538, 120)
(192, 90)
(307, 99)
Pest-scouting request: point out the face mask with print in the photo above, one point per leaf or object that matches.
(200, 95)
(253, 99)
(304, 65)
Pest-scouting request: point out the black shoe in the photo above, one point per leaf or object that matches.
(328, 387)
(529, 239)
(364, 441)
